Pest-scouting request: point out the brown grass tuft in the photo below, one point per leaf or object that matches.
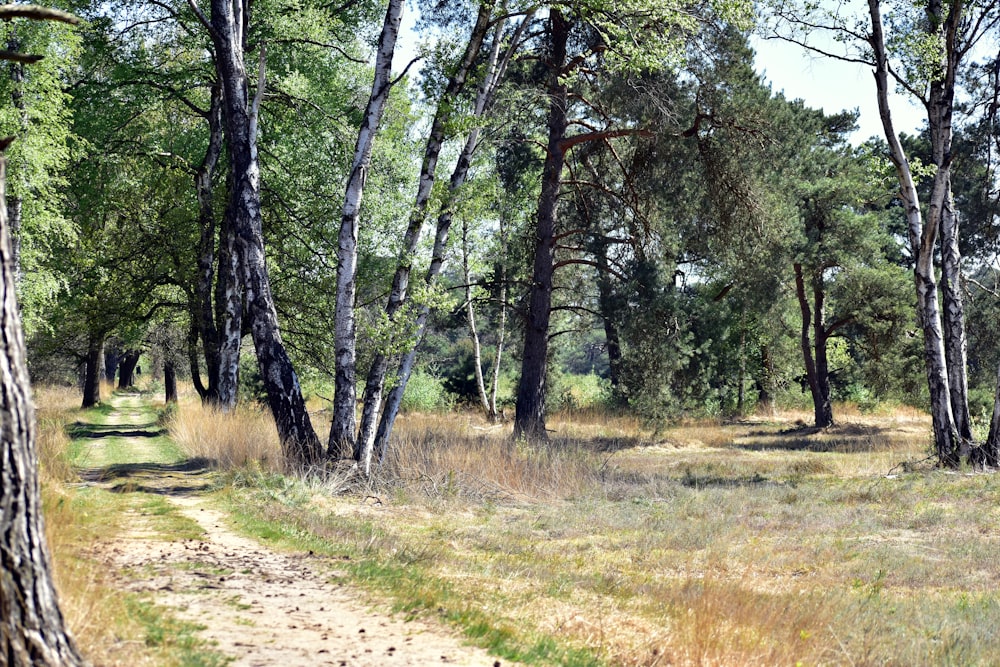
(241, 439)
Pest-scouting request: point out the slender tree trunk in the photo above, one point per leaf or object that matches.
(169, 380)
(375, 383)
(814, 350)
(529, 417)
(605, 300)
(495, 68)
(126, 368)
(300, 444)
(228, 314)
(494, 413)
(193, 360)
(344, 425)
(470, 317)
(92, 374)
(15, 203)
(205, 317)
(922, 242)
(992, 445)
(32, 629)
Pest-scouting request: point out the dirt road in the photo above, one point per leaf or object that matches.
(259, 606)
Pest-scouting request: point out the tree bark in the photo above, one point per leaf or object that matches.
(299, 442)
(92, 374)
(470, 317)
(112, 357)
(193, 360)
(32, 629)
(529, 417)
(205, 308)
(169, 380)
(344, 426)
(375, 383)
(922, 243)
(814, 351)
(126, 368)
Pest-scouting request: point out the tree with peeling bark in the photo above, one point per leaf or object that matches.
(398, 294)
(503, 48)
(32, 629)
(922, 52)
(343, 436)
(228, 26)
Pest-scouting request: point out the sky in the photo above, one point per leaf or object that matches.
(832, 85)
(823, 83)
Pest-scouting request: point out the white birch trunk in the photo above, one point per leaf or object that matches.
(922, 242)
(344, 425)
(375, 383)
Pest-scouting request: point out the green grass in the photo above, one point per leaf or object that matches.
(175, 641)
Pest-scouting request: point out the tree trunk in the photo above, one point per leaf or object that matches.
(126, 368)
(814, 351)
(992, 445)
(112, 357)
(284, 395)
(92, 374)
(169, 380)
(193, 361)
(922, 243)
(495, 68)
(605, 301)
(375, 383)
(529, 416)
(470, 317)
(15, 203)
(32, 629)
(205, 311)
(494, 413)
(344, 426)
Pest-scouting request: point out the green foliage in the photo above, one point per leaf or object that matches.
(426, 393)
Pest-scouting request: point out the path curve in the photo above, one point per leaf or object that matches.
(261, 606)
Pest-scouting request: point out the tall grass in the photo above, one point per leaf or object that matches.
(243, 438)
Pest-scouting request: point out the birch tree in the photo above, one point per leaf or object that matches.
(228, 25)
(436, 138)
(502, 50)
(344, 425)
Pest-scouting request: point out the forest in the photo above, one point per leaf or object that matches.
(511, 209)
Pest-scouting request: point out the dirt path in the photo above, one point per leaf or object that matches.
(260, 606)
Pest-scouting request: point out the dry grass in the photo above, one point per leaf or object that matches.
(459, 455)
(241, 439)
(758, 542)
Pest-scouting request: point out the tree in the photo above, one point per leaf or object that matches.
(32, 630)
(228, 25)
(582, 41)
(923, 53)
(344, 424)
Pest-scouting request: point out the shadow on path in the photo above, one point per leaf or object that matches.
(85, 430)
(183, 478)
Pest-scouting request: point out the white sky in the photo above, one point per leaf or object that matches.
(832, 85)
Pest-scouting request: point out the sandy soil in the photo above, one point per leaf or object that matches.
(261, 606)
